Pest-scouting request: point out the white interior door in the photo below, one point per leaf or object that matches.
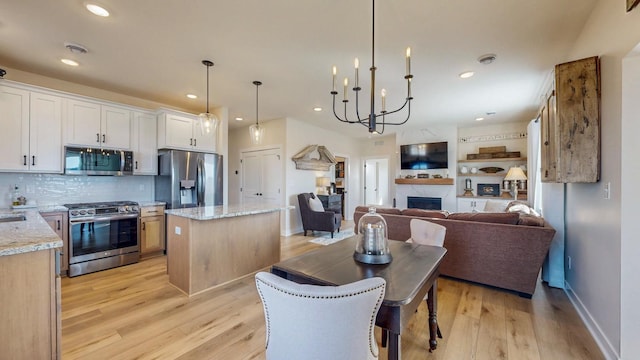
(376, 177)
(261, 175)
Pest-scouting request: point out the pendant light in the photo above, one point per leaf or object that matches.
(256, 131)
(208, 121)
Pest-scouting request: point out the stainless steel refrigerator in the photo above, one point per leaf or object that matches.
(188, 179)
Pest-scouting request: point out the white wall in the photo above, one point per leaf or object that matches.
(593, 224)
(377, 147)
(630, 247)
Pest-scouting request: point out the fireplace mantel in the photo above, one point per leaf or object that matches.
(428, 181)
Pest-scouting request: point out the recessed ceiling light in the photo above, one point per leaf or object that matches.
(97, 9)
(317, 109)
(466, 74)
(192, 96)
(479, 118)
(239, 118)
(69, 62)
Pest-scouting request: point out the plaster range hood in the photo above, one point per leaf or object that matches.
(305, 161)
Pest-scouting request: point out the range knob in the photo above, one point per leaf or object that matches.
(83, 212)
(74, 213)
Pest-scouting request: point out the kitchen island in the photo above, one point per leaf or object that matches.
(29, 269)
(208, 246)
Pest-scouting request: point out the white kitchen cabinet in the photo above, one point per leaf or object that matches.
(182, 131)
(144, 144)
(471, 204)
(98, 125)
(31, 138)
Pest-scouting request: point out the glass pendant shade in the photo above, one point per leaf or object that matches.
(256, 131)
(372, 245)
(208, 123)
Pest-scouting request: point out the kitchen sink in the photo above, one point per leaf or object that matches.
(12, 217)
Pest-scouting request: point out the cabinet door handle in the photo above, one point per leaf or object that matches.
(152, 211)
(191, 142)
(33, 160)
(24, 162)
(104, 138)
(97, 137)
(144, 226)
(195, 142)
(136, 164)
(59, 225)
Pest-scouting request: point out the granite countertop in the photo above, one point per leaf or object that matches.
(32, 234)
(151, 203)
(226, 211)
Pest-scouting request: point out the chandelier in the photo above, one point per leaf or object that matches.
(208, 121)
(372, 121)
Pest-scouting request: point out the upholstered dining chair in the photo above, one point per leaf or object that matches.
(320, 322)
(423, 232)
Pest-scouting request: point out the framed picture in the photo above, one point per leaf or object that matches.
(631, 4)
(489, 189)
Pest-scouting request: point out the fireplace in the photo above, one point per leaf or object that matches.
(427, 203)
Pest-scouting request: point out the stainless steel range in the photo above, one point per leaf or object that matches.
(102, 235)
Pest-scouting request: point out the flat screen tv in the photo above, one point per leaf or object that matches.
(424, 156)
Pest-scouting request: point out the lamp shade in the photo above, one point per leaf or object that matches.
(323, 181)
(515, 173)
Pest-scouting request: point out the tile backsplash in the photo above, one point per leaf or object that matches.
(50, 189)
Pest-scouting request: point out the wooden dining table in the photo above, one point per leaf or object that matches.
(412, 274)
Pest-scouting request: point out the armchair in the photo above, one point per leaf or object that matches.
(317, 220)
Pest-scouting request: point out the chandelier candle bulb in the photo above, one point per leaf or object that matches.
(335, 71)
(357, 65)
(408, 61)
(346, 83)
(384, 96)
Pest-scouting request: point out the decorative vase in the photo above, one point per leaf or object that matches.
(372, 243)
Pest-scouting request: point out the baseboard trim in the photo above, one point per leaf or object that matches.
(605, 346)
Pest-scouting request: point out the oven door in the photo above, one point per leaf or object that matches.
(101, 237)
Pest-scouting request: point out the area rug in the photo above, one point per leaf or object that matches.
(326, 239)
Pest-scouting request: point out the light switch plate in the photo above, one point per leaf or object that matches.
(178, 230)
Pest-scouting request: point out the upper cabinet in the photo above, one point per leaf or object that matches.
(145, 151)
(182, 131)
(570, 129)
(96, 125)
(31, 138)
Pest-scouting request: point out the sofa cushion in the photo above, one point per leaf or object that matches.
(379, 210)
(425, 213)
(495, 206)
(496, 218)
(530, 220)
(315, 204)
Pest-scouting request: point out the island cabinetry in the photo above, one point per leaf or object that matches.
(30, 311)
(152, 232)
(58, 221)
(32, 131)
(182, 131)
(93, 124)
(202, 254)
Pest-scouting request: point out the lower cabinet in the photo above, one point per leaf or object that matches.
(30, 311)
(152, 231)
(58, 222)
(470, 204)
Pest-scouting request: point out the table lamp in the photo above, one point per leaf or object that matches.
(322, 183)
(514, 175)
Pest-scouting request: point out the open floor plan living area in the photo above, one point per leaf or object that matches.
(368, 179)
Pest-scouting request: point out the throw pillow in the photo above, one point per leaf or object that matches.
(495, 206)
(425, 213)
(315, 204)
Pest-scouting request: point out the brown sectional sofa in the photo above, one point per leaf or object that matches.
(504, 250)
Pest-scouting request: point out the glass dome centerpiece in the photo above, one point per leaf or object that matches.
(372, 244)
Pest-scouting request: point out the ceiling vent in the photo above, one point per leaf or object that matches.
(75, 48)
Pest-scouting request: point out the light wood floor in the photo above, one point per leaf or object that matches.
(132, 312)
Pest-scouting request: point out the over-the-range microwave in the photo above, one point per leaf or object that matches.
(92, 161)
